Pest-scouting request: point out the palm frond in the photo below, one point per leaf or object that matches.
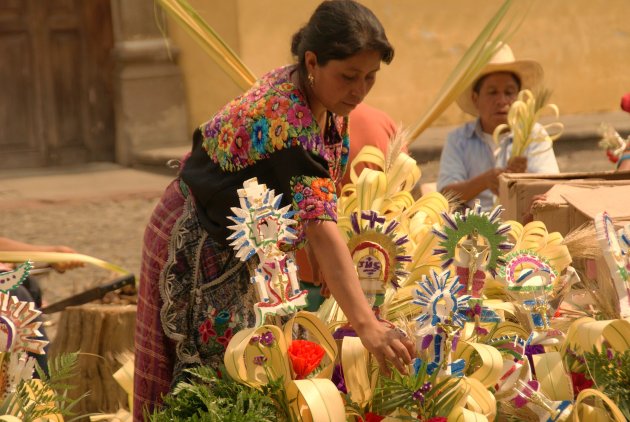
(210, 41)
(471, 63)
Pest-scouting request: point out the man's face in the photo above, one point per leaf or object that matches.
(496, 93)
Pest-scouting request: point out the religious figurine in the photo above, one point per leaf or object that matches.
(474, 242)
(261, 227)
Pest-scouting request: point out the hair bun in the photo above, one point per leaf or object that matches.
(296, 41)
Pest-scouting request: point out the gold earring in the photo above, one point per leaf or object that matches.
(311, 80)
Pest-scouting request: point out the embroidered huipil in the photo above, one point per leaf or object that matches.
(269, 133)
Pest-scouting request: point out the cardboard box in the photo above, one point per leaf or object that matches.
(566, 206)
(516, 190)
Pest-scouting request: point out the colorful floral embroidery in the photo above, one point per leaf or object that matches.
(219, 327)
(271, 116)
(314, 198)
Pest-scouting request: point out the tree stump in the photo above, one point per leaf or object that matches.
(100, 333)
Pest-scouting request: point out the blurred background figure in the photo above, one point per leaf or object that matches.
(471, 160)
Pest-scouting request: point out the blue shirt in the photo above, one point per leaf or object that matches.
(466, 155)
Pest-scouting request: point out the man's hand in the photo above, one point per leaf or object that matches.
(491, 179)
(517, 165)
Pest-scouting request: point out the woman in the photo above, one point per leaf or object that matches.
(471, 162)
(290, 131)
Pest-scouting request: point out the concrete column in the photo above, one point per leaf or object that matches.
(150, 99)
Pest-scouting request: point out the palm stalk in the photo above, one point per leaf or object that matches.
(469, 66)
(210, 41)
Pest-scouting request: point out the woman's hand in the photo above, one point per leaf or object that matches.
(384, 343)
(389, 344)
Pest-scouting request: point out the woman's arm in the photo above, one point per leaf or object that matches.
(341, 277)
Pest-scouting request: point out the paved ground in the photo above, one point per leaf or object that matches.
(101, 209)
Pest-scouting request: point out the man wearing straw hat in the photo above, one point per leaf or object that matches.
(471, 160)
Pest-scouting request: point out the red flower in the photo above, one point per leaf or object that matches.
(305, 357)
(437, 419)
(580, 382)
(373, 417)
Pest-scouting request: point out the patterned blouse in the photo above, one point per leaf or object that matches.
(270, 133)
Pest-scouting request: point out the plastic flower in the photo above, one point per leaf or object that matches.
(305, 356)
(267, 339)
(419, 395)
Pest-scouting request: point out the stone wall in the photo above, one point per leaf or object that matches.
(583, 45)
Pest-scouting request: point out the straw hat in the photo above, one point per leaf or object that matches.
(530, 73)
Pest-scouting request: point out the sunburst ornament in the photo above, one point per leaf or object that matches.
(11, 279)
(615, 250)
(18, 328)
(259, 220)
(441, 320)
(378, 253)
(473, 223)
(438, 297)
(519, 265)
(261, 227)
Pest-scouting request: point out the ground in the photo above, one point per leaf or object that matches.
(112, 230)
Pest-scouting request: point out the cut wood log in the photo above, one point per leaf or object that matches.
(100, 333)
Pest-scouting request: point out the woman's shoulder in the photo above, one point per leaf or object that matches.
(270, 116)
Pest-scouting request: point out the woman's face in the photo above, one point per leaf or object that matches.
(340, 85)
(496, 93)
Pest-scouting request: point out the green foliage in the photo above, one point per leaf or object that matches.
(49, 397)
(209, 398)
(422, 394)
(611, 374)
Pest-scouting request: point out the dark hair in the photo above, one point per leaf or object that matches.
(479, 82)
(339, 29)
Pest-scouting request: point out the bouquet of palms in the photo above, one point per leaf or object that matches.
(523, 116)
